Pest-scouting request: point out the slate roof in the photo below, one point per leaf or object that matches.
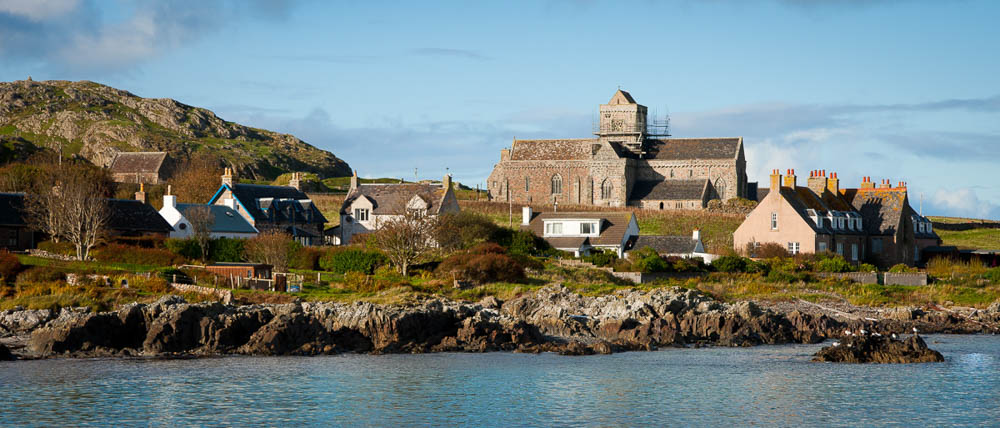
(803, 199)
(567, 242)
(762, 193)
(226, 220)
(276, 204)
(670, 190)
(880, 209)
(665, 244)
(622, 97)
(613, 226)
(127, 215)
(692, 148)
(11, 209)
(391, 199)
(137, 162)
(564, 149)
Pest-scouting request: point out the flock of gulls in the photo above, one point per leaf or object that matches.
(863, 332)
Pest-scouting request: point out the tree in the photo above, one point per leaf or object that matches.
(201, 220)
(270, 247)
(405, 239)
(197, 179)
(73, 207)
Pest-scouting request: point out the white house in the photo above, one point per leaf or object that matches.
(580, 232)
(368, 205)
(227, 223)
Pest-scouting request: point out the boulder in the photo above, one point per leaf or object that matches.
(878, 349)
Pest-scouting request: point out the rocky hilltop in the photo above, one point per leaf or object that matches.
(552, 319)
(96, 121)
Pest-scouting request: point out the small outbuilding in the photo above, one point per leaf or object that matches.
(141, 167)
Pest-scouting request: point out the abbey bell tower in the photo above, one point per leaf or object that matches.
(623, 121)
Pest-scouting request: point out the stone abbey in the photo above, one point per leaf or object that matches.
(628, 163)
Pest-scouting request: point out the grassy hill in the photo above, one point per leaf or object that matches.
(968, 233)
(95, 121)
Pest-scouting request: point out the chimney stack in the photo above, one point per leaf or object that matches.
(354, 181)
(294, 182)
(141, 194)
(227, 177)
(833, 183)
(817, 181)
(866, 183)
(790, 179)
(446, 182)
(169, 201)
(525, 215)
(775, 180)
(885, 184)
(696, 234)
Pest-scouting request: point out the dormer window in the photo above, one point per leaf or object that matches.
(361, 214)
(587, 228)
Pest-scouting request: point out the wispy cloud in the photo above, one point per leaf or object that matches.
(448, 52)
(74, 35)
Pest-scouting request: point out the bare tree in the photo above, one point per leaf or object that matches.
(269, 247)
(73, 208)
(405, 239)
(197, 179)
(201, 220)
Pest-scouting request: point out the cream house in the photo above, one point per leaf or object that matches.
(581, 232)
(369, 205)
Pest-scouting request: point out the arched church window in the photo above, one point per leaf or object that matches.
(720, 188)
(556, 184)
(606, 189)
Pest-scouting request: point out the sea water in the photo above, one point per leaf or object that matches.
(763, 386)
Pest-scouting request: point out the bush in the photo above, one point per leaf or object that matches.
(40, 274)
(186, 248)
(481, 268)
(455, 231)
(343, 260)
(226, 250)
(9, 265)
(901, 268)
(770, 250)
(522, 242)
(120, 253)
(731, 264)
(305, 258)
(992, 275)
(62, 247)
(601, 258)
(834, 264)
(867, 267)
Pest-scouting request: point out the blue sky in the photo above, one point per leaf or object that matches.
(905, 90)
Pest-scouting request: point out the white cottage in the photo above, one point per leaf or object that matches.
(580, 232)
(227, 223)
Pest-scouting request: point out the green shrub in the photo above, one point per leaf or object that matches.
(732, 264)
(601, 258)
(783, 276)
(120, 253)
(522, 242)
(62, 247)
(481, 268)
(9, 266)
(992, 275)
(834, 264)
(344, 260)
(755, 266)
(226, 250)
(770, 250)
(40, 274)
(901, 268)
(187, 248)
(652, 263)
(464, 229)
(867, 267)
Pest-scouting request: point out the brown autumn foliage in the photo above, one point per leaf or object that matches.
(197, 179)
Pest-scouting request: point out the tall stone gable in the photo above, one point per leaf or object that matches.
(624, 164)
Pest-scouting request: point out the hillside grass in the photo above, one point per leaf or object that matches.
(977, 238)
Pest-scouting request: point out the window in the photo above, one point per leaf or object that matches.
(183, 226)
(690, 173)
(606, 189)
(678, 205)
(821, 247)
(720, 188)
(793, 247)
(774, 221)
(921, 228)
(661, 205)
(556, 184)
(854, 252)
(916, 254)
(588, 228)
(840, 248)
(527, 184)
(361, 214)
(840, 223)
(877, 245)
(553, 228)
(671, 173)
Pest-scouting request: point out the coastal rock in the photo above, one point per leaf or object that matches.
(878, 349)
(22, 321)
(5, 354)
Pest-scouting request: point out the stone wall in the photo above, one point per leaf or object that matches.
(905, 278)
(225, 295)
(859, 277)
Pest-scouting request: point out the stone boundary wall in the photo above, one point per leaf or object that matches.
(47, 255)
(859, 277)
(905, 278)
(642, 278)
(225, 295)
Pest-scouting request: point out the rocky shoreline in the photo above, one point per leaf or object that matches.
(552, 319)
